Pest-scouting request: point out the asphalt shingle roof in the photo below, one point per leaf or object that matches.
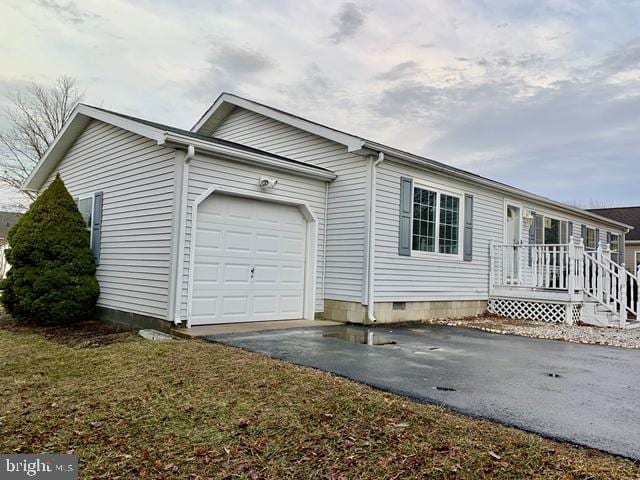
(206, 138)
(628, 215)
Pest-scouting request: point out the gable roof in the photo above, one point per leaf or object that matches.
(227, 102)
(162, 134)
(628, 215)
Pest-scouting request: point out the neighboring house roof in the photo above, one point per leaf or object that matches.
(7, 220)
(227, 102)
(162, 134)
(628, 215)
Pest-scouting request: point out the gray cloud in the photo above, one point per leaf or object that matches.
(314, 86)
(347, 22)
(399, 71)
(228, 67)
(69, 12)
(625, 57)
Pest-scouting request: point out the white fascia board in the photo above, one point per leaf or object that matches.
(249, 157)
(414, 159)
(73, 127)
(352, 143)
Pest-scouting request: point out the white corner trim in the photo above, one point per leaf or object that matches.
(311, 244)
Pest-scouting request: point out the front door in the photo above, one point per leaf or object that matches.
(513, 241)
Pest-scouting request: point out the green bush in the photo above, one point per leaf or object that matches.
(53, 274)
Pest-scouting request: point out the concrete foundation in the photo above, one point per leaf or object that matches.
(395, 312)
(132, 320)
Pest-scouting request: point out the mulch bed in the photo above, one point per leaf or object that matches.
(86, 334)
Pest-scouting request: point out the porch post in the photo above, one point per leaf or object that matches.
(491, 266)
(571, 269)
(622, 287)
(568, 313)
(600, 290)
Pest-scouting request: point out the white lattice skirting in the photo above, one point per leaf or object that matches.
(538, 311)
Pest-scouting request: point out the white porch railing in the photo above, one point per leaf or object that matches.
(567, 268)
(553, 267)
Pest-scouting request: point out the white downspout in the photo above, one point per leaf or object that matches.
(324, 245)
(191, 151)
(372, 239)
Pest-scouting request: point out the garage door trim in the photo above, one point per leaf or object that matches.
(310, 248)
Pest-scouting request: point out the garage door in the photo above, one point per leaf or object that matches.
(249, 261)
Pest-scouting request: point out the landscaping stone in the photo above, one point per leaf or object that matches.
(552, 331)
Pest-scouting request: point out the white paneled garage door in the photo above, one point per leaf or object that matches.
(249, 261)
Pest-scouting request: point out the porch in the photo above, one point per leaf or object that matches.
(562, 283)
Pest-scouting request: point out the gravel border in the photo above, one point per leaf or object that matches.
(614, 337)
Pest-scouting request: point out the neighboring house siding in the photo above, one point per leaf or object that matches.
(347, 194)
(630, 256)
(416, 278)
(137, 179)
(205, 172)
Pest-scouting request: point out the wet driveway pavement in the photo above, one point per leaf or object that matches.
(589, 395)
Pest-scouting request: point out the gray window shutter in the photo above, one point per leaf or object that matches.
(97, 226)
(406, 207)
(597, 237)
(468, 228)
(621, 248)
(570, 229)
(532, 235)
(609, 238)
(583, 232)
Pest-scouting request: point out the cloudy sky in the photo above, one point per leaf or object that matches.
(542, 94)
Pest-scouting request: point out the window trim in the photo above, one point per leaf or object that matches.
(439, 191)
(92, 196)
(595, 238)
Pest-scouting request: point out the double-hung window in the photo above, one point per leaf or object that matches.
(591, 242)
(551, 231)
(614, 245)
(85, 205)
(90, 207)
(436, 221)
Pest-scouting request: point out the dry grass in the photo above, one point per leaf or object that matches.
(185, 409)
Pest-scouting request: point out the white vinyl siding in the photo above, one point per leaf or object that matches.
(431, 277)
(443, 277)
(208, 171)
(347, 194)
(137, 177)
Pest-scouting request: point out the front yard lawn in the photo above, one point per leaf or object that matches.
(185, 409)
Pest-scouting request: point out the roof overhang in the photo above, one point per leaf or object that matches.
(495, 185)
(249, 157)
(227, 102)
(75, 125)
(84, 114)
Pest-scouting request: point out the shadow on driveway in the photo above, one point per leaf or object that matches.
(584, 394)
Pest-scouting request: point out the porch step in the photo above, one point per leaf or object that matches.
(595, 314)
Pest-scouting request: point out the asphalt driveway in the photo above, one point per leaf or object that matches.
(588, 395)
